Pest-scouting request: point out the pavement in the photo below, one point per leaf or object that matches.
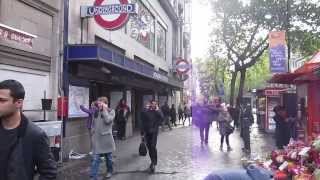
(180, 156)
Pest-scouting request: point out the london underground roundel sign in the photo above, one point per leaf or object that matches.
(182, 66)
(110, 14)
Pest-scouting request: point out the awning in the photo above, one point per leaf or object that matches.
(284, 78)
(310, 65)
(95, 53)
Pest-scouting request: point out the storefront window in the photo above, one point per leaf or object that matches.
(141, 26)
(161, 41)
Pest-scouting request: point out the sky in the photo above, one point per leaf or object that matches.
(200, 29)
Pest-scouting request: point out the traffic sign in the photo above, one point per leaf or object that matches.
(182, 66)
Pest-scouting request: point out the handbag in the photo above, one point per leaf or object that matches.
(142, 148)
(229, 129)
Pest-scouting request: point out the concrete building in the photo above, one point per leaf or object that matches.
(30, 46)
(134, 62)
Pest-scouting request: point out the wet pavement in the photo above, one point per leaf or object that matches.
(180, 156)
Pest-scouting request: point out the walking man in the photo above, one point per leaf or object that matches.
(102, 138)
(245, 123)
(24, 147)
(151, 119)
(166, 114)
(173, 114)
(180, 113)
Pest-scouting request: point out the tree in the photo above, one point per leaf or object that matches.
(242, 29)
(212, 76)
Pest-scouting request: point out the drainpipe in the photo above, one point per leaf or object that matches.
(65, 74)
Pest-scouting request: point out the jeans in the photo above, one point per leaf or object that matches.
(151, 140)
(96, 159)
(204, 132)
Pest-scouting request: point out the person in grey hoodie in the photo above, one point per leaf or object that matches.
(102, 139)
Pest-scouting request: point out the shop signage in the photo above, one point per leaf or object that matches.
(12, 34)
(109, 15)
(272, 92)
(182, 66)
(159, 76)
(277, 52)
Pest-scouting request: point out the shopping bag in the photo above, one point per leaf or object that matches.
(143, 149)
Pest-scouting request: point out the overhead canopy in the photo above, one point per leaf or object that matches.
(310, 65)
(284, 78)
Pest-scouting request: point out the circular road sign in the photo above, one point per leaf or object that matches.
(112, 21)
(182, 66)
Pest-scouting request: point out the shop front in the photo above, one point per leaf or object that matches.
(307, 84)
(103, 72)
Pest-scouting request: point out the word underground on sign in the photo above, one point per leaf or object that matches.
(88, 11)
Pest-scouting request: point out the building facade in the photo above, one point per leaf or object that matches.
(134, 62)
(30, 46)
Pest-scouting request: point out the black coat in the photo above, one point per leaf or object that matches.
(31, 152)
(282, 134)
(150, 120)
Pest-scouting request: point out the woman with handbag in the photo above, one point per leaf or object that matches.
(225, 127)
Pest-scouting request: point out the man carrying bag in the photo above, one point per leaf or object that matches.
(151, 119)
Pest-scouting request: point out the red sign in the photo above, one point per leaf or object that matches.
(108, 14)
(9, 33)
(272, 92)
(182, 66)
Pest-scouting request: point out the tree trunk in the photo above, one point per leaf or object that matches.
(241, 86)
(232, 89)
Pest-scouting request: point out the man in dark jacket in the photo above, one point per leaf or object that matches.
(246, 120)
(151, 119)
(282, 133)
(166, 114)
(24, 147)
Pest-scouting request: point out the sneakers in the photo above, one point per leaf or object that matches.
(229, 148)
(75, 155)
(221, 148)
(109, 175)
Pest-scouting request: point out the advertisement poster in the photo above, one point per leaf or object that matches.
(78, 96)
(277, 52)
(272, 102)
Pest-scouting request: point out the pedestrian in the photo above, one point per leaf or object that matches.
(187, 114)
(204, 121)
(180, 113)
(90, 111)
(282, 134)
(225, 128)
(122, 115)
(102, 137)
(24, 147)
(151, 119)
(246, 120)
(166, 114)
(173, 114)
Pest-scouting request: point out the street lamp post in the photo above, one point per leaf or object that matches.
(288, 32)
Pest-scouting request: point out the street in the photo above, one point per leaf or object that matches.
(180, 154)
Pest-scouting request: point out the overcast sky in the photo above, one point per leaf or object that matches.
(201, 15)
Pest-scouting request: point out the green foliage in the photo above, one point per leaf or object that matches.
(212, 74)
(258, 74)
